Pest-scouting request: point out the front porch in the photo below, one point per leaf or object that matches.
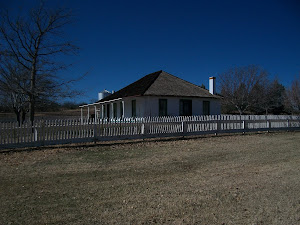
(100, 110)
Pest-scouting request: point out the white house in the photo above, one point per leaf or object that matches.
(157, 94)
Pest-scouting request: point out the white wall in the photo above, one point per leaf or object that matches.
(140, 102)
(148, 106)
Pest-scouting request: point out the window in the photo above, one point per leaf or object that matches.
(115, 110)
(162, 107)
(121, 109)
(107, 110)
(133, 108)
(206, 107)
(185, 107)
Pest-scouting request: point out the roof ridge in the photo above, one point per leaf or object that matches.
(188, 82)
(157, 75)
(141, 91)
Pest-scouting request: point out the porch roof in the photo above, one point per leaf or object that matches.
(99, 103)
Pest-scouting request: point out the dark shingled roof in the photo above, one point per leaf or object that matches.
(160, 83)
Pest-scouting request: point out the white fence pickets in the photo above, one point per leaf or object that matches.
(60, 131)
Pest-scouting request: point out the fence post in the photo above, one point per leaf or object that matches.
(43, 132)
(35, 138)
(95, 131)
(184, 128)
(268, 125)
(218, 127)
(244, 126)
(143, 129)
(288, 124)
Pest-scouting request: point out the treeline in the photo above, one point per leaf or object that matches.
(249, 90)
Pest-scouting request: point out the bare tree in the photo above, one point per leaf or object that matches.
(237, 85)
(35, 42)
(292, 99)
(13, 86)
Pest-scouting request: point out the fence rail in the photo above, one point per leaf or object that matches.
(60, 131)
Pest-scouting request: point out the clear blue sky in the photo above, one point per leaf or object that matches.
(121, 41)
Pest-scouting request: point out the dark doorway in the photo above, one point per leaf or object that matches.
(133, 108)
(115, 110)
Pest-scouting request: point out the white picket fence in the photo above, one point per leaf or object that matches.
(60, 131)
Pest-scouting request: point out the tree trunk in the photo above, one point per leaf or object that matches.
(23, 115)
(31, 109)
(17, 112)
(239, 109)
(32, 88)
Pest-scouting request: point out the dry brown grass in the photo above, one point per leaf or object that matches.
(59, 114)
(250, 179)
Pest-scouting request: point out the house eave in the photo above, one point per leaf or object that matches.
(182, 96)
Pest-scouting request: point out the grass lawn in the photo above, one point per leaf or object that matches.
(242, 179)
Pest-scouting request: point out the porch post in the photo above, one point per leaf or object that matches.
(123, 106)
(88, 113)
(112, 110)
(95, 113)
(102, 111)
